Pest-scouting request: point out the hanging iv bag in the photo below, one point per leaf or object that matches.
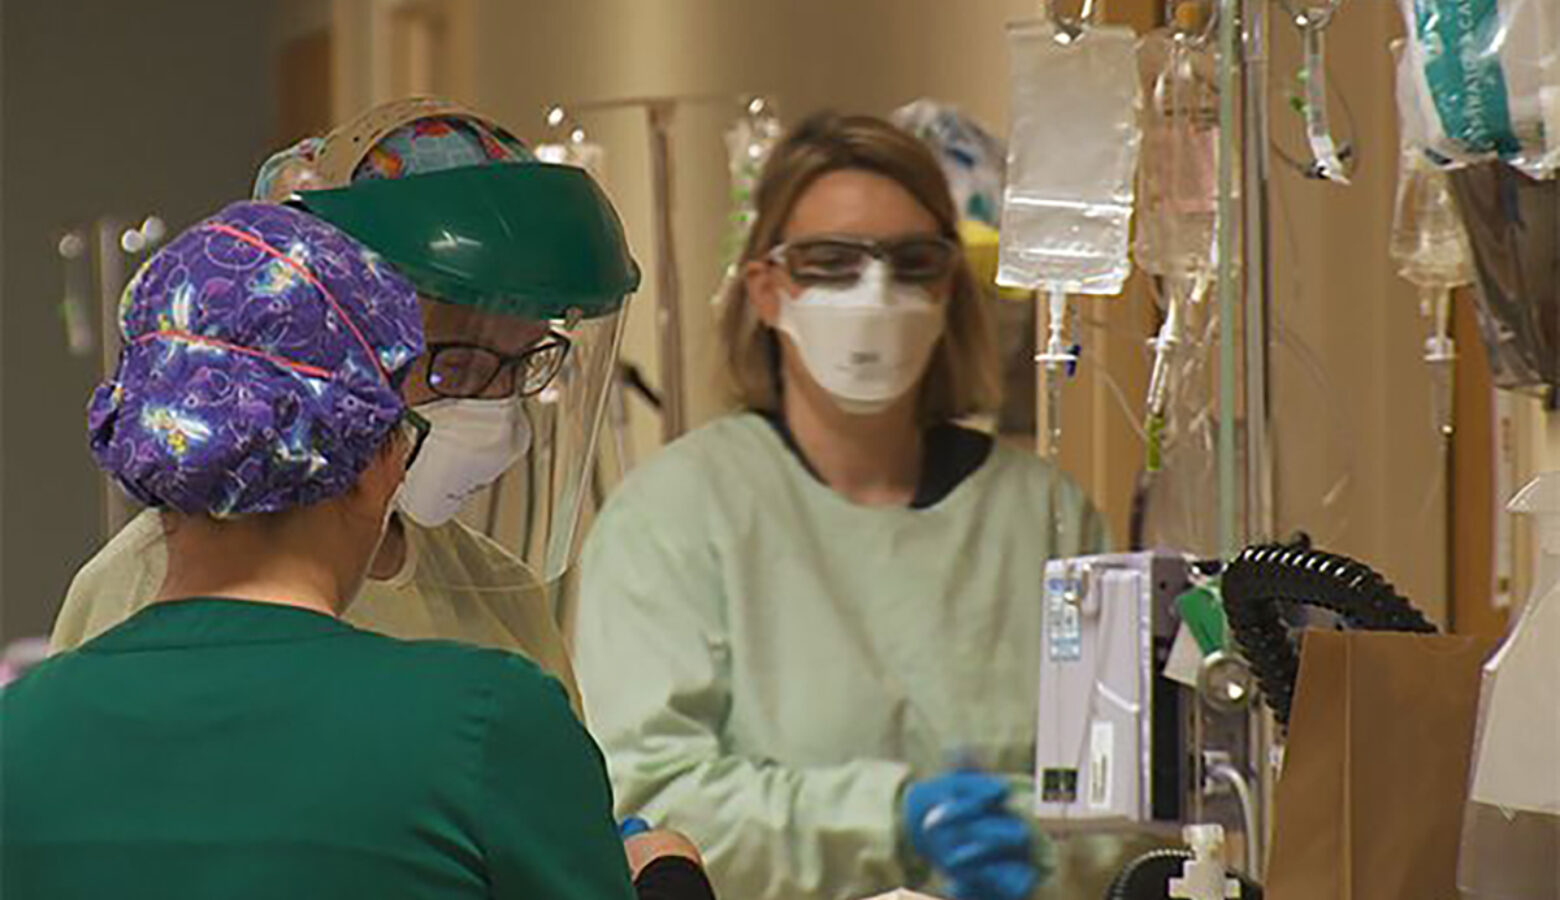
(1072, 155)
(749, 141)
(1178, 182)
(1486, 80)
(972, 158)
(1176, 234)
(1511, 825)
(1428, 243)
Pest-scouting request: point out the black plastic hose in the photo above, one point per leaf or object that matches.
(1265, 577)
(1148, 877)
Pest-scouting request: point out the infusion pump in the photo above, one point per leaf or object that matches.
(1120, 745)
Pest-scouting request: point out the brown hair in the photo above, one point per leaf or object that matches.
(963, 376)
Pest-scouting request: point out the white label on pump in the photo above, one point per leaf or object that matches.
(1102, 750)
(1064, 627)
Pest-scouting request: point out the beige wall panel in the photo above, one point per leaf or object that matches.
(1358, 465)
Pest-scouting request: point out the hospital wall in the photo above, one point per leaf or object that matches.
(1358, 465)
(110, 108)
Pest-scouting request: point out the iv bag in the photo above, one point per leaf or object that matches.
(1178, 189)
(1428, 240)
(1428, 243)
(1072, 155)
(971, 156)
(1486, 80)
(749, 141)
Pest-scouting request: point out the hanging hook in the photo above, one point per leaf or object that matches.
(1317, 17)
(1070, 29)
(564, 124)
(1196, 20)
(1329, 160)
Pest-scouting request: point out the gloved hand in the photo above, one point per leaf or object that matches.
(646, 845)
(959, 823)
(631, 826)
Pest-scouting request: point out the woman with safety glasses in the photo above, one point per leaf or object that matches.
(809, 632)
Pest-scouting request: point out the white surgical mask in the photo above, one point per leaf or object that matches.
(472, 443)
(866, 343)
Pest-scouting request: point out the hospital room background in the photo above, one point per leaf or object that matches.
(126, 120)
(106, 122)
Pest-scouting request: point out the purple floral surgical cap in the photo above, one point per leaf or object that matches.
(263, 352)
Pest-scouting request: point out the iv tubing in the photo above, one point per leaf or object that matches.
(1232, 776)
(1229, 537)
(1258, 271)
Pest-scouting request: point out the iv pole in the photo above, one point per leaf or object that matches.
(1258, 269)
(659, 113)
(1243, 55)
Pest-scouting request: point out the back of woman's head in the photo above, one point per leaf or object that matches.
(963, 376)
(263, 354)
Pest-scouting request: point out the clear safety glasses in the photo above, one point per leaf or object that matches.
(464, 370)
(839, 260)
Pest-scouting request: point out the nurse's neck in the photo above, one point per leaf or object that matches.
(297, 563)
(870, 460)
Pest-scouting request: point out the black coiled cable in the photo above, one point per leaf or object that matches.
(1148, 877)
(1267, 575)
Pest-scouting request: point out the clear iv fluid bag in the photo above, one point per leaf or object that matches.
(1429, 243)
(1072, 156)
(748, 143)
(1178, 181)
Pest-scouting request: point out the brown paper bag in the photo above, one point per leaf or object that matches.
(1370, 802)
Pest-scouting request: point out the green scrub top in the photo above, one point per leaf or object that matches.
(768, 665)
(456, 585)
(228, 749)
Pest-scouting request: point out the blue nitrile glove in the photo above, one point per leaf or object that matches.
(631, 826)
(959, 822)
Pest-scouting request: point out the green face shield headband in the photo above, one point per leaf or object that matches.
(533, 240)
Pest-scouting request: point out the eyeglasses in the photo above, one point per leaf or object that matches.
(841, 260)
(461, 371)
(415, 428)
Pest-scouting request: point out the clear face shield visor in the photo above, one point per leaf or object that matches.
(525, 274)
(514, 408)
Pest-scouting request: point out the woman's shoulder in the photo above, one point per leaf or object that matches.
(704, 459)
(1040, 489)
(1015, 460)
(1016, 468)
(454, 669)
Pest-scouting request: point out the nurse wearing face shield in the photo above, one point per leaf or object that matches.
(809, 632)
(522, 272)
(234, 738)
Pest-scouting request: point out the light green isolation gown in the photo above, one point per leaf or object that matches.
(767, 665)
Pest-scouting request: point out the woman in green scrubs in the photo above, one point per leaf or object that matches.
(236, 739)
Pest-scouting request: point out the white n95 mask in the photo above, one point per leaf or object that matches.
(866, 343)
(471, 443)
